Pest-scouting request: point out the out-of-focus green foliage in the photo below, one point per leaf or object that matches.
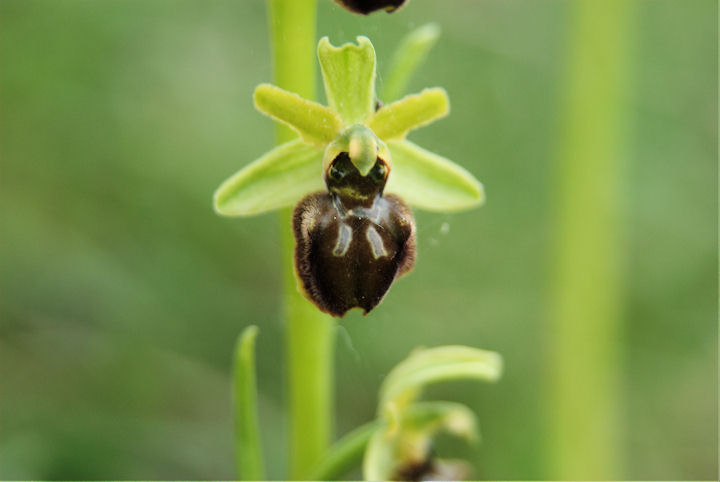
(123, 292)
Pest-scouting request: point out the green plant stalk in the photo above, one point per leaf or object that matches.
(586, 299)
(309, 332)
(346, 453)
(247, 431)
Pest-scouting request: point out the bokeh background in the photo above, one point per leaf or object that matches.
(123, 293)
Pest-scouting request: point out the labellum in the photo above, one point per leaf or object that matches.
(352, 241)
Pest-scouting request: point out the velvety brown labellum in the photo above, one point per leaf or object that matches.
(352, 242)
(365, 7)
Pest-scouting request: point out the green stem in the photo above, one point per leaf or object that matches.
(586, 303)
(346, 453)
(309, 332)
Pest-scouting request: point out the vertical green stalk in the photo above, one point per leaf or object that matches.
(309, 332)
(586, 295)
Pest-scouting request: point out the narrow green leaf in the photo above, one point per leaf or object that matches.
(346, 453)
(394, 121)
(431, 182)
(349, 76)
(407, 58)
(404, 383)
(247, 431)
(278, 179)
(314, 122)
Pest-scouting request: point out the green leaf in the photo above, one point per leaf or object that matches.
(247, 431)
(431, 182)
(394, 121)
(315, 123)
(349, 76)
(278, 179)
(424, 366)
(407, 58)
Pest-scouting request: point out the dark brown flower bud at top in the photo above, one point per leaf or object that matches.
(365, 7)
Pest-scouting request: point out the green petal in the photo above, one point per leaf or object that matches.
(428, 181)
(425, 366)
(315, 123)
(278, 179)
(407, 58)
(394, 121)
(349, 75)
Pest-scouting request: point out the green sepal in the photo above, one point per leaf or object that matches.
(315, 123)
(394, 121)
(428, 181)
(348, 73)
(409, 55)
(278, 179)
(430, 417)
(425, 366)
(247, 429)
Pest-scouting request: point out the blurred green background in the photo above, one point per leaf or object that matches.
(122, 291)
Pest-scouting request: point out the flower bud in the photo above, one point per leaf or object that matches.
(365, 7)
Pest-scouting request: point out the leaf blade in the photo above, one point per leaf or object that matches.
(247, 430)
(431, 182)
(315, 123)
(280, 178)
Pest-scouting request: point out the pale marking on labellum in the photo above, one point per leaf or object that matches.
(373, 214)
(344, 239)
(376, 242)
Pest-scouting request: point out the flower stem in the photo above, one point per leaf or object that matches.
(586, 303)
(309, 332)
(346, 453)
